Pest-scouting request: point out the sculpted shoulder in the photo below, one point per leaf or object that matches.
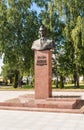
(49, 40)
(36, 41)
(35, 44)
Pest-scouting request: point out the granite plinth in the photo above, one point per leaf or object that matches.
(43, 74)
(63, 104)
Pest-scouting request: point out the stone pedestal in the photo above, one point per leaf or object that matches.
(43, 74)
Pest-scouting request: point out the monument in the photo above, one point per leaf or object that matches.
(43, 100)
(43, 65)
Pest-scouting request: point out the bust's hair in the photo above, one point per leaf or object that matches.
(42, 27)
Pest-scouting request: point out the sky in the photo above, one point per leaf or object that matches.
(1, 64)
(35, 7)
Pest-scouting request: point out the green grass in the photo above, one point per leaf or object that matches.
(29, 87)
(69, 86)
(11, 88)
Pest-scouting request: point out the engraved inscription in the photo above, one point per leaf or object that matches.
(41, 60)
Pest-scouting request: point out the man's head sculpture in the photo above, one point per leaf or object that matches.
(42, 31)
(42, 27)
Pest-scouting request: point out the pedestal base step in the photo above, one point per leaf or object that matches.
(58, 103)
(77, 111)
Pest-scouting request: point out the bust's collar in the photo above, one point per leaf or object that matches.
(43, 38)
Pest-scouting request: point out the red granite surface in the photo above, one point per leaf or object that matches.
(53, 104)
(43, 74)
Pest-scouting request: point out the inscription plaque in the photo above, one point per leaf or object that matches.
(41, 60)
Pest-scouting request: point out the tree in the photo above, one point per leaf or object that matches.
(65, 21)
(3, 9)
(73, 12)
(20, 25)
(50, 17)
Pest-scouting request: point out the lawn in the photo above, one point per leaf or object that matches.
(27, 87)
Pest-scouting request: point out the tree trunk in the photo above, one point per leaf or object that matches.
(76, 74)
(15, 82)
(56, 78)
(20, 81)
(61, 81)
(76, 77)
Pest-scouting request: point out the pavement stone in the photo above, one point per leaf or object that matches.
(6, 95)
(27, 120)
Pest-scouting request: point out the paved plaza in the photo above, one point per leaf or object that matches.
(6, 95)
(27, 120)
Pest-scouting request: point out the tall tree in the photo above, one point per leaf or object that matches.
(55, 25)
(65, 20)
(73, 12)
(20, 27)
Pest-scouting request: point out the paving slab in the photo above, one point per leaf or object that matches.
(25, 120)
(5, 95)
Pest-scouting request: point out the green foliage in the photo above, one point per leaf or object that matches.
(28, 86)
(65, 20)
(18, 30)
(7, 72)
(73, 12)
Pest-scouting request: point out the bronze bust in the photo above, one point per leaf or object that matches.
(43, 43)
